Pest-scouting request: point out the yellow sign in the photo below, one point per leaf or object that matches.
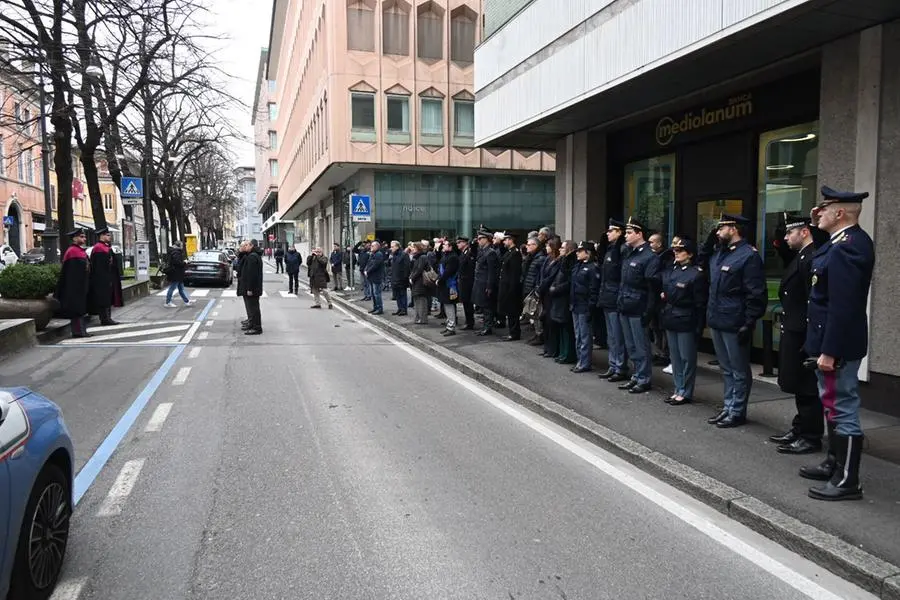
(190, 244)
(370, 237)
(738, 107)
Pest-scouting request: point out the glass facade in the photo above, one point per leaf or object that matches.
(410, 206)
(650, 194)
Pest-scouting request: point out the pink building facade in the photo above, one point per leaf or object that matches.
(376, 98)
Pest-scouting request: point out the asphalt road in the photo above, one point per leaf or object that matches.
(321, 460)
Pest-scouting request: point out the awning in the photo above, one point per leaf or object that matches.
(85, 225)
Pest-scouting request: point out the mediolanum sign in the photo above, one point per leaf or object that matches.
(668, 128)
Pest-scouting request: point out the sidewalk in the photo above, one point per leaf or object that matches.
(741, 458)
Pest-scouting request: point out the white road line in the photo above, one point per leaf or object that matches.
(730, 534)
(121, 326)
(195, 352)
(200, 293)
(159, 417)
(285, 294)
(229, 294)
(182, 376)
(69, 590)
(215, 313)
(162, 293)
(127, 334)
(121, 489)
(203, 335)
(190, 334)
(210, 323)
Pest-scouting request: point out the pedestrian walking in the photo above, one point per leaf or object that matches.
(250, 287)
(466, 280)
(317, 265)
(583, 296)
(400, 267)
(608, 299)
(486, 282)
(105, 290)
(805, 434)
(737, 300)
(509, 288)
(175, 267)
(279, 259)
(72, 287)
(448, 286)
(336, 260)
(638, 294)
(838, 336)
(682, 316)
(292, 262)
(375, 277)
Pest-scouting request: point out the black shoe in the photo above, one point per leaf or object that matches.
(82, 335)
(820, 472)
(606, 374)
(627, 386)
(617, 377)
(535, 341)
(731, 421)
(245, 327)
(395, 313)
(510, 338)
(253, 332)
(844, 483)
(660, 361)
(245, 322)
(680, 402)
(468, 328)
(109, 322)
(448, 333)
(785, 438)
(485, 332)
(640, 388)
(713, 363)
(800, 446)
(402, 313)
(577, 369)
(714, 420)
(374, 312)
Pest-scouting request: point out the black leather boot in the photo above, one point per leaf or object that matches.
(825, 469)
(844, 484)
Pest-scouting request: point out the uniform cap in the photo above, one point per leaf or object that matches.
(77, 231)
(733, 220)
(615, 224)
(102, 230)
(795, 220)
(831, 196)
(634, 224)
(484, 233)
(462, 238)
(586, 245)
(684, 242)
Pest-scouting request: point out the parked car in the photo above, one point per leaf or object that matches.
(35, 256)
(209, 267)
(36, 475)
(8, 256)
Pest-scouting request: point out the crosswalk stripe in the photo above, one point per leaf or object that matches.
(229, 293)
(285, 294)
(127, 334)
(202, 293)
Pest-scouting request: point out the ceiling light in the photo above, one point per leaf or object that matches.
(805, 138)
(779, 167)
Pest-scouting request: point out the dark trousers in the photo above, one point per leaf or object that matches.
(246, 308)
(105, 315)
(551, 337)
(78, 326)
(279, 265)
(402, 299)
(469, 311)
(293, 282)
(515, 322)
(489, 316)
(808, 422)
(253, 312)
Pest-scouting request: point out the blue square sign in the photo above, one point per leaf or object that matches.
(132, 187)
(361, 207)
(8, 221)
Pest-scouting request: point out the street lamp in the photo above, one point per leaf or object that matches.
(50, 237)
(94, 71)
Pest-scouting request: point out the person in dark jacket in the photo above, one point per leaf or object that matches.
(607, 300)
(738, 297)
(250, 286)
(279, 259)
(466, 279)
(375, 276)
(583, 297)
(509, 289)
(560, 308)
(549, 271)
(349, 261)
(420, 292)
(448, 286)
(683, 316)
(317, 269)
(400, 266)
(487, 279)
(292, 262)
(175, 268)
(532, 266)
(72, 287)
(336, 260)
(361, 252)
(658, 333)
(105, 289)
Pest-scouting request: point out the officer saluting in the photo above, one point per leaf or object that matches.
(805, 435)
(838, 335)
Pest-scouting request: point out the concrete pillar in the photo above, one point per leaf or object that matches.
(564, 191)
(465, 221)
(581, 186)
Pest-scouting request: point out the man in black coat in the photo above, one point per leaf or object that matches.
(374, 272)
(250, 286)
(465, 279)
(292, 262)
(105, 289)
(72, 287)
(509, 300)
(400, 267)
(486, 281)
(532, 266)
(279, 259)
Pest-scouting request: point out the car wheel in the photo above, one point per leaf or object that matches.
(43, 537)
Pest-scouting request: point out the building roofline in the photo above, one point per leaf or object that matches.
(260, 75)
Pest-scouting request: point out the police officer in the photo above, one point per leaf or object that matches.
(805, 435)
(486, 281)
(607, 300)
(636, 302)
(585, 285)
(737, 300)
(837, 335)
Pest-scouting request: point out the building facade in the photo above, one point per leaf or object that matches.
(248, 223)
(675, 111)
(376, 98)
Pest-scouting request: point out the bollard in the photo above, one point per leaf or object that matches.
(768, 349)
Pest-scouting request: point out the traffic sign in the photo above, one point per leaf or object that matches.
(132, 201)
(361, 207)
(132, 187)
(9, 221)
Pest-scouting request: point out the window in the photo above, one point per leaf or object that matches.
(29, 167)
(273, 168)
(360, 28)
(398, 119)
(430, 34)
(395, 36)
(17, 112)
(273, 140)
(362, 116)
(650, 194)
(26, 119)
(273, 111)
(52, 196)
(432, 122)
(463, 122)
(107, 202)
(20, 163)
(2, 156)
(272, 86)
(462, 37)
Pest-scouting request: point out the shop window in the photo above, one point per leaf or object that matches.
(788, 182)
(430, 32)
(650, 194)
(395, 28)
(360, 27)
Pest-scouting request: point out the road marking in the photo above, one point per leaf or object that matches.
(121, 489)
(121, 326)
(128, 334)
(190, 334)
(203, 335)
(215, 313)
(69, 590)
(285, 294)
(159, 417)
(182, 376)
(640, 482)
(195, 352)
(210, 323)
(229, 294)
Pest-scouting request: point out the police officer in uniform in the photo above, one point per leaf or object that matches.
(636, 302)
(737, 300)
(583, 296)
(607, 300)
(486, 281)
(805, 435)
(838, 336)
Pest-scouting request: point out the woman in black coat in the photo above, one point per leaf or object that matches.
(448, 286)
(560, 314)
(420, 293)
(549, 270)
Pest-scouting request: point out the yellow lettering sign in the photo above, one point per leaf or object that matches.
(668, 128)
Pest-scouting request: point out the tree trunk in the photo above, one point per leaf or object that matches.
(93, 184)
(62, 163)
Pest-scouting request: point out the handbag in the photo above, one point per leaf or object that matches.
(531, 307)
(430, 277)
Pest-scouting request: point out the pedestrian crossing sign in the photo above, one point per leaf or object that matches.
(132, 187)
(361, 208)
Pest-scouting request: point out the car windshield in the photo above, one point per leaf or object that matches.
(207, 257)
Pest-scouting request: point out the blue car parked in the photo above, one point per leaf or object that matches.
(36, 475)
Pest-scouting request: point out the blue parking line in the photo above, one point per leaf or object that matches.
(206, 310)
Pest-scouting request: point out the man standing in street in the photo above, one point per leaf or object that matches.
(175, 267)
(72, 287)
(336, 260)
(400, 267)
(317, 265)
(805, 435)
(585, 285)
(509, 296)
(279, 259)
(466, 279)
(375, 277)
(292, 262)
(362, 257)
(250, 286)
(106, 281)
(486, 279)
(838, 336)
(737, 300)
(608, 299)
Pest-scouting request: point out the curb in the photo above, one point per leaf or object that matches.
(845, 560)
(15, 335)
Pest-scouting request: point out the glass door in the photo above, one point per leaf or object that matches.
(650, 194)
